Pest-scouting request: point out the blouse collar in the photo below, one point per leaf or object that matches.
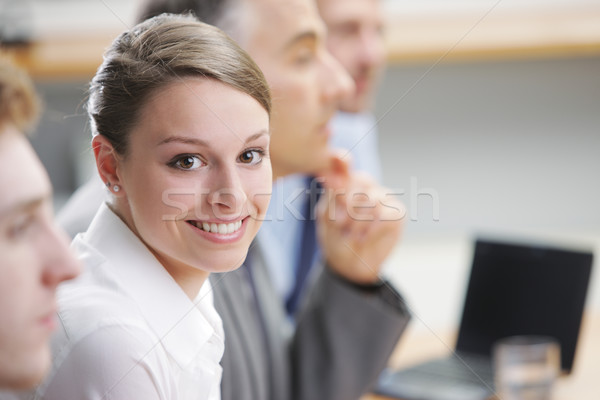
(183, 326)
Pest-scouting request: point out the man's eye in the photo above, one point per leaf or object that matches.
(304, 56)
(251, 157)
(20, 226)
(187, 162)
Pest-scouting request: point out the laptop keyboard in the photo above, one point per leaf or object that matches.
(461, 368)
(460, 377)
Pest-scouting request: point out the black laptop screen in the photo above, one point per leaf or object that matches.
(517, 289)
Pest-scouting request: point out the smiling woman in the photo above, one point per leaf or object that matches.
(180, 118)
(194, 159)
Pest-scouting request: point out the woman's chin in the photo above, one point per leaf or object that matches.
(229, 262)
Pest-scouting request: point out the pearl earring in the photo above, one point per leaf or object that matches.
(116, 188)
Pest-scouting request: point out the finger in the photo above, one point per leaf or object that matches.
(392, 209)
(331, 219)
(337, 175)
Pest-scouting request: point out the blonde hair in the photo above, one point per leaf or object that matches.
(19, 104)
(159, 51)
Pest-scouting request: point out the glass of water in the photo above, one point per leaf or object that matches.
(525, 367)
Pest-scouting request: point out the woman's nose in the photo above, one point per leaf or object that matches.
(227, 196)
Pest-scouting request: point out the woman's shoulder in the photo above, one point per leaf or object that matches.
(94, 310)
(102, 344)
(102, 339)
(121, 359)
(89, 312)
(87, 308)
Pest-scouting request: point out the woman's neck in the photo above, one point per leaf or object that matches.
(189, 278)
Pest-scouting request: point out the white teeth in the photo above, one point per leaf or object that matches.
(223, 229)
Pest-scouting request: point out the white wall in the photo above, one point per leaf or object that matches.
(508, 147)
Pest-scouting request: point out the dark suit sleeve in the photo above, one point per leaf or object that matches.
(344, 338)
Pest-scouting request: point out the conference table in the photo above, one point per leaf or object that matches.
(582, 384)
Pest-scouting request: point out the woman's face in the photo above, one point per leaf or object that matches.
(196, 181)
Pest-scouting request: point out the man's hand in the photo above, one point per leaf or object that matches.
(358, 223)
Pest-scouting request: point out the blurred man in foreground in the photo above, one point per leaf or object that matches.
(35, 256)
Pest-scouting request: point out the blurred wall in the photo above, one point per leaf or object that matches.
(503, 148)
(507, 144)
(63, 137)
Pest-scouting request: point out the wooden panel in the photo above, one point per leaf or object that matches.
(62, 58)
(504, 34)
(410, 38)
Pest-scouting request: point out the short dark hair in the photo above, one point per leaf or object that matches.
(157, 52)
(208, 11)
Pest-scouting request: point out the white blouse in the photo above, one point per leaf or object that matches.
(127, 330)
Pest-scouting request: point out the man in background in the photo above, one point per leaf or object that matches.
(35, 256)
(355, 38)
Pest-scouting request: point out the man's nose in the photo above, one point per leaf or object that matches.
(337, 83)
(59, 263)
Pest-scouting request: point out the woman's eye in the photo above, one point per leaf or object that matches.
(251, 157)
(187, 162)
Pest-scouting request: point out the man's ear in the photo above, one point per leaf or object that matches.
(107, 163)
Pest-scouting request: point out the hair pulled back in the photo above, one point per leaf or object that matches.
(159, 51)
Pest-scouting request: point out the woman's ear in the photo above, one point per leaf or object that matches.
(107, 163)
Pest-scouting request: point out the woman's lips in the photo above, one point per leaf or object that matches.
(219, 232)
(221, 228)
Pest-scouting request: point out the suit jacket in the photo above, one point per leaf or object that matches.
(342, 340)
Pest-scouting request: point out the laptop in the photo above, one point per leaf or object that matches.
(513, 289)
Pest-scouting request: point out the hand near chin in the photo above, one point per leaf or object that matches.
(358, 223)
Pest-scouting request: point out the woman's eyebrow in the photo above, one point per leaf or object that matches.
(200, 142)
(258, 134)
(184, 140)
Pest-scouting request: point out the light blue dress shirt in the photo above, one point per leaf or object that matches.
(283, 228)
